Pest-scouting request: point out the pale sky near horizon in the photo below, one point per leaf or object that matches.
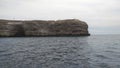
(102, 16)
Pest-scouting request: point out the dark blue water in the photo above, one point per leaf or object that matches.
(98, 51)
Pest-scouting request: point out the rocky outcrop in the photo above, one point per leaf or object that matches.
(69, 27)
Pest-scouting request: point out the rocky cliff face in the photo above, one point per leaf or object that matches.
(70, 27)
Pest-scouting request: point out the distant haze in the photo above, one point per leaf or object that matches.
(102, 16)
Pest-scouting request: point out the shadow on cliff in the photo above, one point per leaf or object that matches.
(20, 31)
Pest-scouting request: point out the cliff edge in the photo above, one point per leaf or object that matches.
(18, 28)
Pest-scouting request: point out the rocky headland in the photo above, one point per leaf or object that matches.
(19, 28)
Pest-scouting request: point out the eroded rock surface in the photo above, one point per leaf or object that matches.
(69, 27)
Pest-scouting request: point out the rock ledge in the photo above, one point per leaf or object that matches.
(19, 28)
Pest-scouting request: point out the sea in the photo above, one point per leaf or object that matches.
(95, 51)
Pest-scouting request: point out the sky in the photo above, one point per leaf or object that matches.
(102, 16)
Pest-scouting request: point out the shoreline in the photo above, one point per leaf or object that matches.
(50, 36)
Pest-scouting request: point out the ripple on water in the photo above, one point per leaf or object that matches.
(60, 52)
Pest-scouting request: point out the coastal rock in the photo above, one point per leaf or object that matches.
(69, 27)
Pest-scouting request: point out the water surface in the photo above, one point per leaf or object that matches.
(98, 51)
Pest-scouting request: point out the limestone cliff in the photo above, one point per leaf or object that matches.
(69, 27)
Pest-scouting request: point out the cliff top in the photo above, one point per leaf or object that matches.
(67, 21)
